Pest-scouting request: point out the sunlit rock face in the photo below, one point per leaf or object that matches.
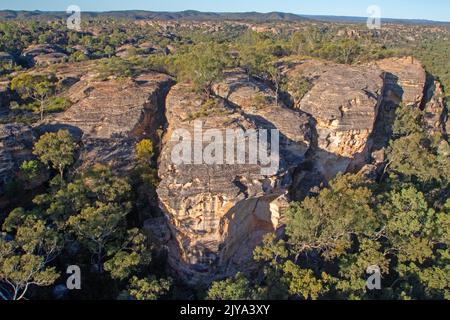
(215, 213)
(111, 116)
(436, 117)
(343, 102)
(218, 213)
(405, 80)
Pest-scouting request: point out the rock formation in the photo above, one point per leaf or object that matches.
(6, 58)
(436, 117)
(344, 103)
(5, 96)
(43, 54)
(404, 80)
(16, 142)
(216, 212)
(220, 212)
(113, 115)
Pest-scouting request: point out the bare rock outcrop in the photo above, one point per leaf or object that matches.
(436, 117)
(43, 54)
(16, 143)
(405, 80)
(343, 102)
(112, 115)
(219, 212)
(405, 83)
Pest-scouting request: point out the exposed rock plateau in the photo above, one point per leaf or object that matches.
(43, 54)
(111, 116)
(218, 212)
(215, 208)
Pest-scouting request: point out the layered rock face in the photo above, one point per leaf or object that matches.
(405, 80)
(436, 117)
(405, 83)
(6, 58)
(344, 103)
(5, 96)
(219, 212)
(258, 102)
(112, 115)
(43, 54)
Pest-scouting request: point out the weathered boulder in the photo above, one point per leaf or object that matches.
(125, 50)
(148, 47)
(257, 100)
(218, 212)
(50, 59)
(5, 96)
(82, 49)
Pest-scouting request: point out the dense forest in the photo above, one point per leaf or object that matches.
(399, 221)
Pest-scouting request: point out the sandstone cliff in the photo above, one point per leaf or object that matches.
(214, 208)
(111, 116)
(343, 102)
(219, 213)
(216, 213)
(16, 142)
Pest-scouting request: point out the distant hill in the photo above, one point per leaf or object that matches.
(350, 19)
(202, 16)
(145, 15)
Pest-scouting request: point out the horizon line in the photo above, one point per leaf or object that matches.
(232, 12)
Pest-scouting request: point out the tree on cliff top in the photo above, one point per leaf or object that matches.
(38, 87)
(203, 65)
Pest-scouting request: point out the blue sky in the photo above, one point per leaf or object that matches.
(412, 9)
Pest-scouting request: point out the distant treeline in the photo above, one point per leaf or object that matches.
(197, 15)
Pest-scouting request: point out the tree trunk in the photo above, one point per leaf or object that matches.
(99, 259)
(42, 110)
(61, 174)
(276, 94)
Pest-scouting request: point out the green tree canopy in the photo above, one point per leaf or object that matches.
(38, 87)
(57, 149)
